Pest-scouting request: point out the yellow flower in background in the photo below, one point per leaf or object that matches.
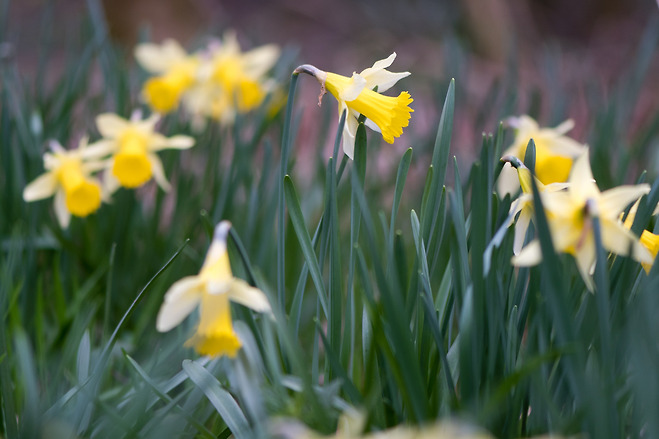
(231, 81)
(570, 213)
(68, 176)
(648, 239)
(133, 144)
(524, 203)
(211, 290)
(554, 152)
(385, 114)
(176, 72)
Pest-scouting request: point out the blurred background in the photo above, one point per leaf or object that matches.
(561, 51)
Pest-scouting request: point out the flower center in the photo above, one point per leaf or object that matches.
(132, 166)
(164, 92)
(82, 196)
(549, 168)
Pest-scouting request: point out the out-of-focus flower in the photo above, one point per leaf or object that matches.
(554, 152)
(211, 290)
(352, 422)
(68, 176)
(385, 114)
(648, 239)
(524, 203)
(133, 144)
(176, 72)
(570, 214)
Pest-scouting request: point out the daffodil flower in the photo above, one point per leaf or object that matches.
(524, 203)
(68, 176)
(176, 72)
(211, 290)
(387, 115)
(648, 239)
(554, 152)
(570, 213)
(133, 144)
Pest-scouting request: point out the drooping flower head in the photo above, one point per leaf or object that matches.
(524, 203)
(211, 290)
(570, 214)
(133, 144)
(68, 176)
(385, 114)
(176, 72)
(554, 151)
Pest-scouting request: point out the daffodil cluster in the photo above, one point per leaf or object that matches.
(570, 211)
(217, 82)
(127, 154)
(211, 291)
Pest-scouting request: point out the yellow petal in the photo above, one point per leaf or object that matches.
(215, 335)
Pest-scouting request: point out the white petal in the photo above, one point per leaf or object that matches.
(585, 257)
(110, 125)
(98, 149)
(372, 125)
(615, 200)
(508, 181)
(530, 255)
(384, 80)
(175, 142)
(110, 183)
(381, 64)
(180, 300)
(617, 239)
(349, 132)
(260, 60)
(521, 227)
(61, 211)
(159, 58)
(582, 185)
(563, 146)
(159, 172)
(244, 294)
(564, 126)
(42, 187)
(351, 92)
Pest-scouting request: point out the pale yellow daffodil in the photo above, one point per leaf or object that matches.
(68, 176)
(176, 72)
(648, 239)
(133, 144)
(211, 290)
(387, 115)
(231, 81)
(524, 203)
(554, 152)
(570, 213)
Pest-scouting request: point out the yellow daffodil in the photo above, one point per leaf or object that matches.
(570, 213)
(554, 152)
(211, 290)
(133, 144)
(385, 114)
(68, 176)
(176, 72)
(648, 239)
(231, 81)
(524, 203)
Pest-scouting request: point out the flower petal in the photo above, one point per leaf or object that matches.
(563, 146)
(42, 187)
(521, 227)
(241, 292)
(349, 132)
(156, 58)
(615, 200)
(564, 126)
(175, 142)
(352, 91)
(180, 300)
(258, 61)
(61, 212)
(159, 172)
(530, 255)
(582, 184)
(98, 149)
(617, 239)
(110, 125)
(585, 257)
